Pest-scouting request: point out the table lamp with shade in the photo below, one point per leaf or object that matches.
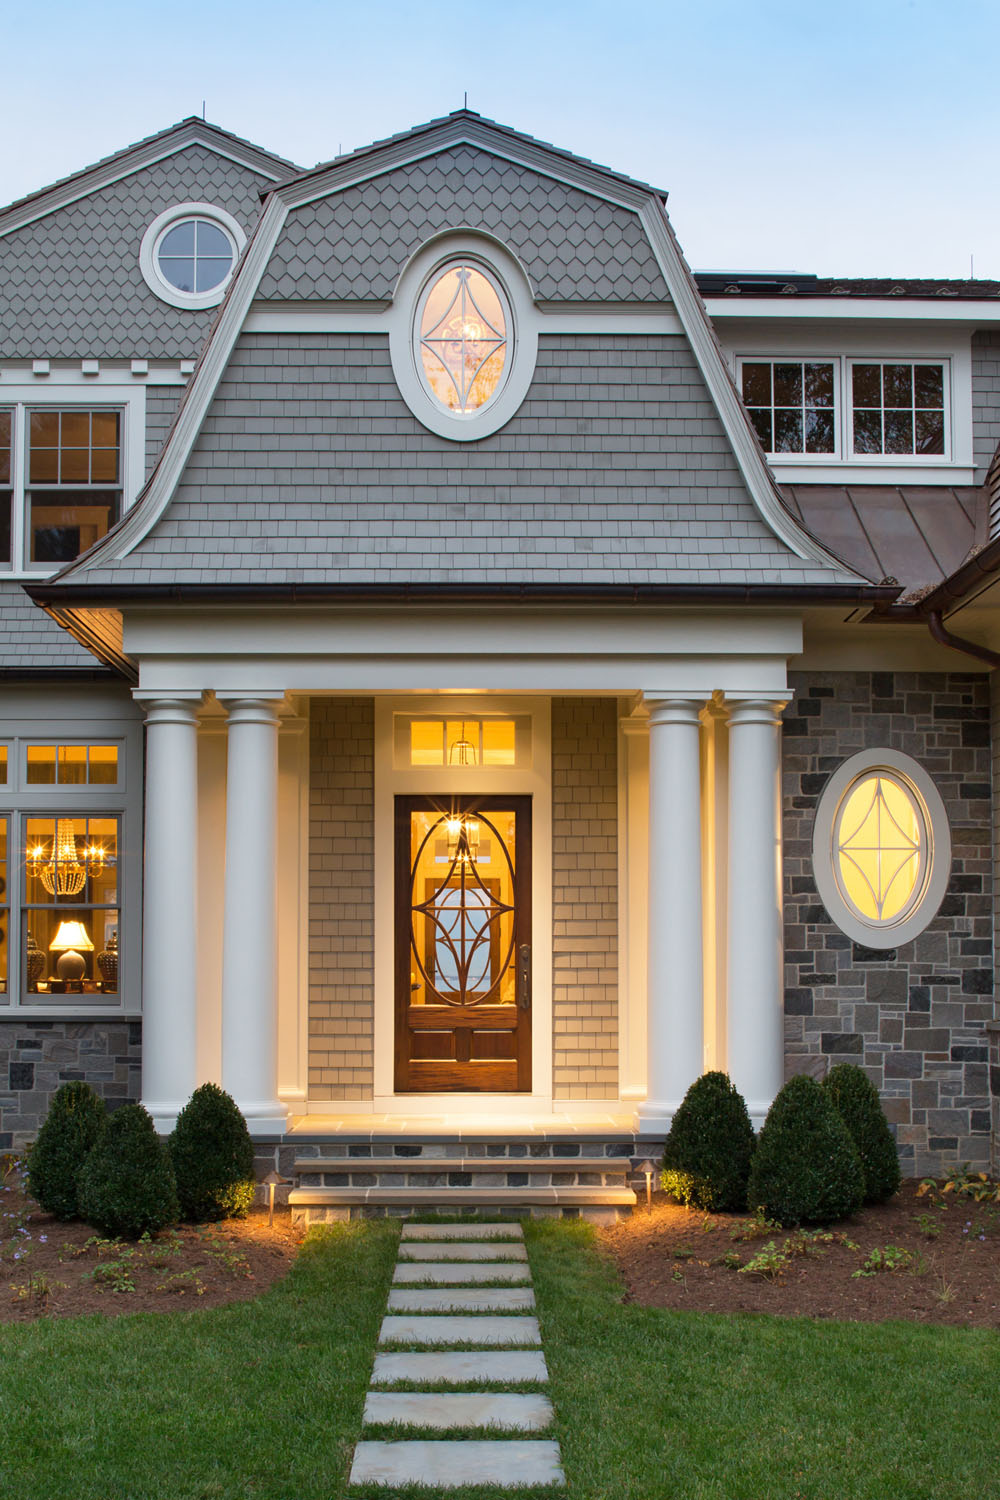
(71, 942)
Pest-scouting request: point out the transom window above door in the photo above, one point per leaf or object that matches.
(457, 742)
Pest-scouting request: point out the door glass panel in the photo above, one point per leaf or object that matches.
(462, 907)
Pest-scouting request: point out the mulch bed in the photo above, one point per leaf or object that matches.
(48, 1268)
(948, 1272)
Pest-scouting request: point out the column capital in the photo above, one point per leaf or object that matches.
(168, 708)
(675, 708)
(252, 708)
(756, 708)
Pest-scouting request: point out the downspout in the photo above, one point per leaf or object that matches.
(957, 643)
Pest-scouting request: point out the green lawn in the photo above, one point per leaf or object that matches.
(264, 1399)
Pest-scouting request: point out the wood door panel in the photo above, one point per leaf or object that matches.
(463, 920)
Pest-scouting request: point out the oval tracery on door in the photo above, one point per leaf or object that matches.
(462, 911)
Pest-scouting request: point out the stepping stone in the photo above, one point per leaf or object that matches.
(458, 1330)
(463, 1232)
(450, 1273)
(459, 1299)
(452, 1251)
(510, 1463)
(424, 1409)
(503, 1368)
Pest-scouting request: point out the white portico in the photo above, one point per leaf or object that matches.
(232, 863)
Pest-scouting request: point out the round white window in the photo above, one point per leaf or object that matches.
(462, 337)
(881, 848)
(188, 254)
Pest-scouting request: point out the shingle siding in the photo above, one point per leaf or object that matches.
(29, 639)
(985, 399)
(161, 407)
(80, 291)
(341, 898)
(353, 245)
(311, 468)
(584, 898)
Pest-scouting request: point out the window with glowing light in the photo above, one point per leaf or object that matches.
(70, 910)
(881, 848)
(467, 742)
(462, 338)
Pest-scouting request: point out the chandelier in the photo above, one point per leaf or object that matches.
(58, 866)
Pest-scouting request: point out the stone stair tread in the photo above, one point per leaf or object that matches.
(462, 1232)
(455, 1329)
(462, 1299)
(510, 1463)
(616, 1164)
(496, 1366)
(451, 1409)
(458, 1273)
(316, 1197)
(497, 1250)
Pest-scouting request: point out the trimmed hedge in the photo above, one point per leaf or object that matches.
(806, 1169)
(212, 1154)
(855, 1098)
(707, 1155)
(127, 1183)
(76, 1121)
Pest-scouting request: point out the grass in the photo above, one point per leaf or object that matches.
(262, 1401)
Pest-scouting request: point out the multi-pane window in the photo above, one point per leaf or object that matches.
(791, 405)
(74, 481)
(4, 901)
(195, 255)
(70, 912)
(6, 480)
(463, 742)
(897, 408)
(71, 765)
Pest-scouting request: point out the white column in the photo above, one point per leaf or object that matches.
(674, 986)
(249, 936)
(169, 967)
(755, 1010)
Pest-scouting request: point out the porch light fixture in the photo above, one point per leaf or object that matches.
(463, 838)
(462, 752)
(70, 938)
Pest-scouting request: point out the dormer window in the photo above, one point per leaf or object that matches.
(462, 336)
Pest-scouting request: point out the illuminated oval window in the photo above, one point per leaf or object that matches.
(463, 338)
(881, 848)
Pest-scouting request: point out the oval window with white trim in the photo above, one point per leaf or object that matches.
(881, 848)
(188, 254)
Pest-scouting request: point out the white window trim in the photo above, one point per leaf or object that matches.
(149, 262)
(938, 855)
(130, 400)
(522, 336)
(812, 459)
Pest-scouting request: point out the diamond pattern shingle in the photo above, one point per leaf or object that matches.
(352, 245)
(76, 275)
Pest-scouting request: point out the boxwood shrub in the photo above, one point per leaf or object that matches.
(806, 1168)
(855, 1098)
(127, 1183)
(212, 1155)
(74, 1124)
(707, 1155)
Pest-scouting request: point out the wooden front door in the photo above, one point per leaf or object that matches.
(463, 944)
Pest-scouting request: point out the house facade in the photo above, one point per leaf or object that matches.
(465, 675)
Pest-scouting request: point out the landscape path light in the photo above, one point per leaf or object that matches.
(647, 1168)
(271, 1181)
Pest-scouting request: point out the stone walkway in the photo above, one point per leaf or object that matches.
(446, 1291)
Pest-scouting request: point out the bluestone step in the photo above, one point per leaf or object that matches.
(464, 1299)
(444, 1410)
(451, 1273)
(450, 1250)
(511, 1464)
(462, 1232)
(458, 1330)
(496, 1367)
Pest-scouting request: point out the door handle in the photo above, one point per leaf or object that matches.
(524, 976)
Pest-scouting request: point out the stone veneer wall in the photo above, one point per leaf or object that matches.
(914, 1017)
(585, 898)
(341, 897)
(37, 1056)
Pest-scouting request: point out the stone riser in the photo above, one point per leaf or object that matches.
(476, 1180)
(304, 1214)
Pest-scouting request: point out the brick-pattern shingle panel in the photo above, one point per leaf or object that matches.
(79, 290)
(311, 468)
(914, 1017)
(36, 1057)
(353, 245)
(341, 898)
(162, 402)
(28, 638)
(985, 399)
(584, 898)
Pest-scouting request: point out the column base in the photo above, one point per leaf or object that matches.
(267, 1119)
(164, 1113)
(655, 1117)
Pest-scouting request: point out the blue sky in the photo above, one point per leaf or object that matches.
(849, 138)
